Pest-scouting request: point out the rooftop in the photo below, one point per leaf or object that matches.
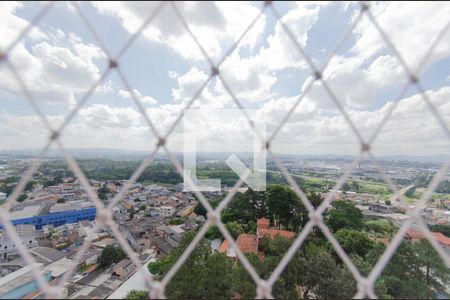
(442, 239)
(247, 243)
(48, 254)
(124, 263)
(16, 279)
(263, 221)
(271, 232)
(59, 267)
(413, 234)
(26, 212)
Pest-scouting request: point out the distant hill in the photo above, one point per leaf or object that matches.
(85, 153)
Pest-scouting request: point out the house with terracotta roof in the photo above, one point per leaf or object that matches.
(443, 241)
(253, 243)
(415, 236)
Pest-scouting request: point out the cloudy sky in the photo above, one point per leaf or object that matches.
(60, 59)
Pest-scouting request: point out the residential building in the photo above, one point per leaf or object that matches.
(380, 208)
(251, 243)
(167, 211)
(123, 268)
(90, 257)
(413, 235)
(443, 241)
(8, 247)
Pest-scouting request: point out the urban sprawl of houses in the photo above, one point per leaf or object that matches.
(54, 221)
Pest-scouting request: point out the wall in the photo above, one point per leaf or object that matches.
(59, 218)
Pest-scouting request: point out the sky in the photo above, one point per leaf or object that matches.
(60, 58)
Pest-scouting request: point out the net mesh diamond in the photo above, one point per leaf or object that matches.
(365, 285)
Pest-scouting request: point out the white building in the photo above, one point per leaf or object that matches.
(27, 235)
(167, 211)
(2, 196)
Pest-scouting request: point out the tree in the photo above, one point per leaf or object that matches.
(103, 192)
(410, 192)
(205, 274)
(243, 285)
(388, 202)
(61, 200)
(276, 246)
(344, 214)
(137, 295)
(415, 271)
(110, 255)
(315, 199)
(346, 187)
(246, 207)
(284, 207)
(200, 210)
(355, 186)
(22, 198)
(354, 241)
(176, 221)
(213, 233)
(382, 226)
(444, 229)
(143, 207)
(30, 185)
(436, 272)
(234, 228)
(161, 266)
(321, 276)
(53, 181)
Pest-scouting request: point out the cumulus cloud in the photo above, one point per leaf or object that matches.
(26, 131)
(410, 36)
(370, 67)
(53, 67)
(412, 129)
(143, 99)
(253, 77)
(105, 126)
(12, 25)
(215, 24)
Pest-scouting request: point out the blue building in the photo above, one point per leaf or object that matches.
(58, 214)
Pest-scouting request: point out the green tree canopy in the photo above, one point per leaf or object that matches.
(201, 211)
(111, 254)
(344, 214)
(444, 229)
(136, 295)
(22, 198)
(284, 207)
(205, 275)
(246, 207)
(354, 241)
(414, 272)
